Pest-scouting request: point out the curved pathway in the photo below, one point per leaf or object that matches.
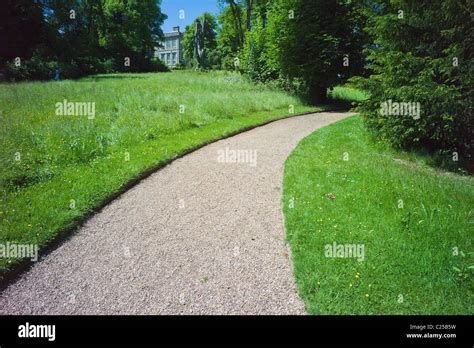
(200, 236)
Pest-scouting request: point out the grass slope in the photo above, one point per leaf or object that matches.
(416, 225)
(347, 93)
(71, 164)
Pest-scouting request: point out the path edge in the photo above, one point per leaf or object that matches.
(14, 273)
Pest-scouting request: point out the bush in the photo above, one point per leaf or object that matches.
(435, 70)
(33, 69)
(37, 68)
(155, 65)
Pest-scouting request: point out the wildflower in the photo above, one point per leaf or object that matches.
(330, 196)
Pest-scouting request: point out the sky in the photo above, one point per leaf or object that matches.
(191, 8)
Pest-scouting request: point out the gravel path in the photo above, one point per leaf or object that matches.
(197, 237)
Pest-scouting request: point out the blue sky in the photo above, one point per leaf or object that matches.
(192, 9)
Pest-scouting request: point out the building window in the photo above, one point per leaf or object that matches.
(168, 58)
(174, 58)
(163, 57)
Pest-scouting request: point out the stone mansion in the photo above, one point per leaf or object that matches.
(171, 50)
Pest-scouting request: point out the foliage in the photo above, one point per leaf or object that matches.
(209, 33)
(80, 37)
(254, 56)
(424, 55)
(132, 30)
(309, 39)
(22, 29)
(299, 44)
(229, 39)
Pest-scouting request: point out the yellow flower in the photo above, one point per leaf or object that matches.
(350, 285)
(450, 206)
(367, 295)
(370, 285)
(29, 225)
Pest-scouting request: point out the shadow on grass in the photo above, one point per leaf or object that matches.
(334, 104)
(340, 98)
(342, 104)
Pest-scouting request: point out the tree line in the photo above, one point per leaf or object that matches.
(301, 45)
(79, 37)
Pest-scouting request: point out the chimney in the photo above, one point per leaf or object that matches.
(176, 28)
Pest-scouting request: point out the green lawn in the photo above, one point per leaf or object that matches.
(56, 169)
(416, 225)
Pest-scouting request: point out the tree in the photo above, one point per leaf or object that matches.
(73, 35)
(423, 54)
(236, 20)
(199, 42)
(254, 56)
(236, 11)
(22, 27)
(308, 41)
(79, 36)
(131, 30)
(229, 38)
(209, 42)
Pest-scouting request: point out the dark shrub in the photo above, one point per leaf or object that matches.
(423, 55)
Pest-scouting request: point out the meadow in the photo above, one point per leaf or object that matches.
(414, 224)
(58, 168)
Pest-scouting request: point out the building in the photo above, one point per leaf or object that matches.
(171, 50)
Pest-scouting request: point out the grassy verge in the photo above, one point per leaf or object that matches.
(416, 225)
(347, 93)
(57, 169)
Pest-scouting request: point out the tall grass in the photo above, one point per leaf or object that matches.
(130, 109)
(347, 93)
